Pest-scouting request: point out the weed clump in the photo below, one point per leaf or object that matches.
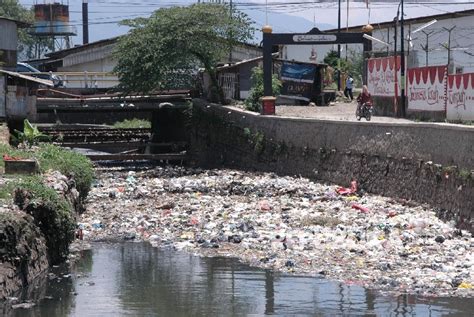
(52, 213)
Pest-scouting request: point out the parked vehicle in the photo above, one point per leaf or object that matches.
(364, 111)
(27, 68)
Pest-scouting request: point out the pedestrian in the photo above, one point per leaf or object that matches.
(349, 86)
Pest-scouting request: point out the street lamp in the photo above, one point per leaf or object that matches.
(373, 39)
(424, 26)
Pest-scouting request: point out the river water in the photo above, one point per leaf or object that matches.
(135, 279)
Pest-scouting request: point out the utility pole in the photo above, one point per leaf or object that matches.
(449, 44)
(426, 48)
(395, 99)
(339, 46)
(230, 48)
(85, 22)
(402, 61)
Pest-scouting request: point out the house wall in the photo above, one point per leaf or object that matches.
(8, 44)
(240, 53)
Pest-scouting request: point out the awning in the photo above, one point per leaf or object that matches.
(29, 78)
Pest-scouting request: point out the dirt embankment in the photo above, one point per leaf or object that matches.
(36, 229)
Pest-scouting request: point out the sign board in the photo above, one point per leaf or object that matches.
(298, 38)
(297, 79)
(460, 97)
(427, 88)
(381, 76)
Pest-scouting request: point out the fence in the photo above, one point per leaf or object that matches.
(228, 82)
(83, 79)
(430, 90)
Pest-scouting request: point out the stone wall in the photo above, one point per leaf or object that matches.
(23, 254)
(427, 163)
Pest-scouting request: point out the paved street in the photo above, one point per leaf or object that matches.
(336, 111)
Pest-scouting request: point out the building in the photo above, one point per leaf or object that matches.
(450, 37)
(9, 42)
(17, 91)
(90, 65)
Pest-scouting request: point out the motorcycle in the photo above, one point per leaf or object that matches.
(364, 110)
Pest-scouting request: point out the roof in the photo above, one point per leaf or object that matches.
(245, 61)
(29, 78)
(20, 24)
(275, 58)
(423, 19)
(79, 48)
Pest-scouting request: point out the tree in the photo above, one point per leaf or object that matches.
(12, 9)
(353, 65)
(158, 52)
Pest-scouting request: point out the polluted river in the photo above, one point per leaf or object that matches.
(174, 241)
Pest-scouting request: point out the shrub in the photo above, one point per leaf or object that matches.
(253, 102)
(68, 163)
(51, 213)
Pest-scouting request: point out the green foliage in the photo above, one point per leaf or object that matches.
(133, 124)
(30, 135)
(354, 64)
(51, 157)
(253, 102)
(163, 51)
(51, 213)
(6, 149)
(332, 60)
(68, 163)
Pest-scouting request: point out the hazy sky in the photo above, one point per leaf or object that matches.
(104, 14)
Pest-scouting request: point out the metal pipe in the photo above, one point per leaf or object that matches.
(85, 22)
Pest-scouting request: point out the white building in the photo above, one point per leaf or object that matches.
(452, 34)
(91, 65)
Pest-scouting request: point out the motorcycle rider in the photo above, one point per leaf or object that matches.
(364, 98)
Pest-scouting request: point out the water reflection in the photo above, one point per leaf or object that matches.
(135, 279)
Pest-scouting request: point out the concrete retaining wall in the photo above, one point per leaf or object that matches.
(425, 162)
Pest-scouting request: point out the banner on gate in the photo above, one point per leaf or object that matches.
(427, 88)
(460, 97)
(381, 76)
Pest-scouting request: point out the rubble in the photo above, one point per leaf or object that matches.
(289, 224)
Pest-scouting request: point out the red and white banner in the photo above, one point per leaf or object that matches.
(427, 88)
(460, 97)
(381, 76)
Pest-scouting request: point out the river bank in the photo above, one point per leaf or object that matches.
(285, 224)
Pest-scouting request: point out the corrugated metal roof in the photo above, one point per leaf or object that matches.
(29, 78)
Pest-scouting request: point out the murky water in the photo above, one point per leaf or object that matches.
(134, 279)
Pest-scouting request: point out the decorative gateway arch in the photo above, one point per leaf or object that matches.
(313, 37)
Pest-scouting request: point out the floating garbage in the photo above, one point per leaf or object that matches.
(289, 224)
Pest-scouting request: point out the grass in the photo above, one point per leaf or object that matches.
(68, 163)
(52, 213)
(51, 157)
(133, 124)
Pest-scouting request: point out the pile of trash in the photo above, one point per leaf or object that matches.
(288, 224)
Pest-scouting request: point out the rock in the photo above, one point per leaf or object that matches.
(439, 239)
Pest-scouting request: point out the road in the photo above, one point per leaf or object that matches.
(344, 111)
